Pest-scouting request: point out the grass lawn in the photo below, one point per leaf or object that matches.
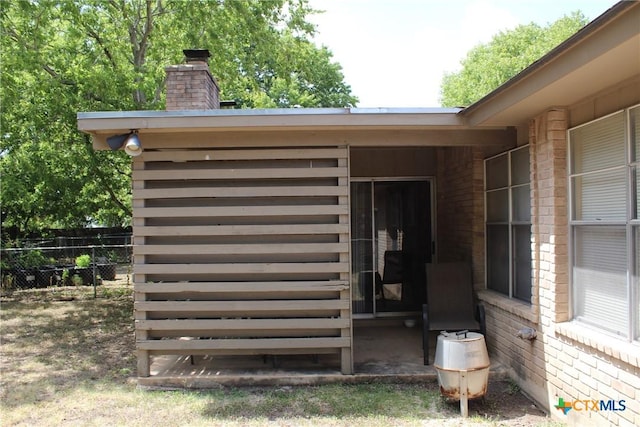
(68, 359)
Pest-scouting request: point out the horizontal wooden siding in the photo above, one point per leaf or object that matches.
(242, 251)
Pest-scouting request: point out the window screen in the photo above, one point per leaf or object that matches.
(600, 196)
(497, 172)
(605, 207)
(599, 145)
(522, 262)
(498, 258)
(508, 224)
(600, 267)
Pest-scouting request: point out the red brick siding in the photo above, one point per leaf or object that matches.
(191, 87)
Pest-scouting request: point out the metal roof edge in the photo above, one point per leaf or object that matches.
(262, 112)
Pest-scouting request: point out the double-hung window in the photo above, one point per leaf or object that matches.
(508, 224)
(604, 221)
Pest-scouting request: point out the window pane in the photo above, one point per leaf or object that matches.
(634, 117)
(600, 196)
(598, 145)
(497, 172)
(520, 166)
(636, 280)
(521, 203)
(361, 248)
(600, 276)
(498, 206)
(636, 182)
(522, 262)
(498, 258)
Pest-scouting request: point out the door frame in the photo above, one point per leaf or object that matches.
(431, 180)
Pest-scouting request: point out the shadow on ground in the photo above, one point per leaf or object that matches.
(58, 342)
(51, 344)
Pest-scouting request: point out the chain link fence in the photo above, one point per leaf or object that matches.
(45, 266)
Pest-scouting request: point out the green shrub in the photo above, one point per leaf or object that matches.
(32, 259)
(65, 276)
(83, 261)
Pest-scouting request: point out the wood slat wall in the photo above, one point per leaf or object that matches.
(242, 251)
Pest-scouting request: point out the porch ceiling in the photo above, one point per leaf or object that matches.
(354, 127)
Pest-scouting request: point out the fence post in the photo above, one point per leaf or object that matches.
(93, 260)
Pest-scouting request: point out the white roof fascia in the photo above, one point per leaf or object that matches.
(276, 119)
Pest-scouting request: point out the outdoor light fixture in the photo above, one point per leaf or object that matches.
(132, 146)
(130, 141)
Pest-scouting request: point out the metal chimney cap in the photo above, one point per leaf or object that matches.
(196, 54)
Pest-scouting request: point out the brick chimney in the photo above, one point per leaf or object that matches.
(191, 86)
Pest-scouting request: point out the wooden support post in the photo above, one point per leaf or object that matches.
(346, 353)
(144, 367)
(144, 362)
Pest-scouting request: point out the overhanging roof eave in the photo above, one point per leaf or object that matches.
(534, 77)
(277, 119)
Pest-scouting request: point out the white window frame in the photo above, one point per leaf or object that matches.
(631, 225)
(511, 222)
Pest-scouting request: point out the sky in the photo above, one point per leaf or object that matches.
(394, 53)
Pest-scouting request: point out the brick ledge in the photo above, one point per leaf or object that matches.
(628, 352)
(509, 305)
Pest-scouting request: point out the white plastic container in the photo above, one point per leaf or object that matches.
(462, 365)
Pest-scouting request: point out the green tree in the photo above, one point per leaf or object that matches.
(61, 57)
(487, 66)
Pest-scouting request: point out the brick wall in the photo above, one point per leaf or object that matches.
(525, 360)
(477, 230)
(549, 221)
(191, 87)
(454, 203)
(566, 360)
(585, 365)
(579, 364)
(460, 202)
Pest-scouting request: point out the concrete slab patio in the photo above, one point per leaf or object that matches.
(387, 352)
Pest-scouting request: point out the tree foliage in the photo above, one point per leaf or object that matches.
(62, 57)
(487, 66)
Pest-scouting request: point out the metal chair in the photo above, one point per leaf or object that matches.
(450, 303)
